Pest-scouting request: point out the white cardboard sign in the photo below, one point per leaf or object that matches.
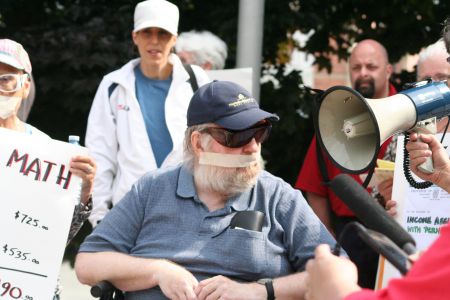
(38, 195)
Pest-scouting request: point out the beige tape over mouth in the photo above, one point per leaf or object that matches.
(227, 160)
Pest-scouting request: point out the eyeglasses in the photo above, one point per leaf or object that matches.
(12, 82)
(238, 138)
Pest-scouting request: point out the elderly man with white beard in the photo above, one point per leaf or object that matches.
(217, 226)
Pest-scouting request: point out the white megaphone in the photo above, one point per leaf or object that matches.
(352, 128)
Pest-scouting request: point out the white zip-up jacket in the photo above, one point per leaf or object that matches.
(117, 137)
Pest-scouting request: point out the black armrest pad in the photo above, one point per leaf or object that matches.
(101, 289)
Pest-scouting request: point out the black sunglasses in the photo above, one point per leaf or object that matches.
(238, 138)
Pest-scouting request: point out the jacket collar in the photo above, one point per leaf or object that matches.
(125, 75)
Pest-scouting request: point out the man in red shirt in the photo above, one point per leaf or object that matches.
(369, 75)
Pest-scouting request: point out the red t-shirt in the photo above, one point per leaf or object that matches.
(310, 180)
(428, 278)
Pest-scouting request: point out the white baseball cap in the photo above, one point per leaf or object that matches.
(156, 13)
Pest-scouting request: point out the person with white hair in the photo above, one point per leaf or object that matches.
(202, 48)
(430, 63)
(215, 227)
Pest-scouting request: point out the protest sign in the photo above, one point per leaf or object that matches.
(36, 208)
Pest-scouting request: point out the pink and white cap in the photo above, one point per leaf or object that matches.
(13, 54)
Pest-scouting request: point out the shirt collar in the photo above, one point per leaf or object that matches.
(392, 90)
(242, 201)
(186, 187)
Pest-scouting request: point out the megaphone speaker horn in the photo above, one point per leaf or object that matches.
(352, 128)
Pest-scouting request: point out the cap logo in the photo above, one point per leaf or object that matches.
(241, 100)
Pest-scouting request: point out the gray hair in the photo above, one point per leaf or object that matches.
(188, 151)
(437, 48)
(446, 34)
(204, 46)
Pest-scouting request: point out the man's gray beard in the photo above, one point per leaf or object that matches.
(226, 181)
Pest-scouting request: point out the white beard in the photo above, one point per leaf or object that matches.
(227, 181)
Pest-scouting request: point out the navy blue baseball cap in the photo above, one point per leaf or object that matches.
(226, 104)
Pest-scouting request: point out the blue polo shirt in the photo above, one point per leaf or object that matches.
(163, 217)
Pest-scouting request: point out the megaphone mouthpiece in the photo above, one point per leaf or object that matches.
(358, 126)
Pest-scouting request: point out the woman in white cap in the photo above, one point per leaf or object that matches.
(138, 117)
(15, 70)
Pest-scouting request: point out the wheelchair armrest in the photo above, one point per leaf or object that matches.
(102, 289)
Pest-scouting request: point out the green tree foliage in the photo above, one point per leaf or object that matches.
(71, 46)
(73, 43)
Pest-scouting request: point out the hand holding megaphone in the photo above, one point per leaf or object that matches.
(441, 160)
(429, 127)
(352, 128)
